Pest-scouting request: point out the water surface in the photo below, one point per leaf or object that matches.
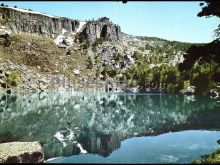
(175, 147)
(108, 126)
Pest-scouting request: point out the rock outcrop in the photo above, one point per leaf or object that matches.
(21, 152)
(102, 28)
(20, 21)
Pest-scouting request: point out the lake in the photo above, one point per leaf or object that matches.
(99, 127)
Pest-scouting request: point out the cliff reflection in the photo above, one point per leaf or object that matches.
(99, 121)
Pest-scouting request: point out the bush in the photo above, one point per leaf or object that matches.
(149, 47)
(117, 57)
(114, 72)
(105, 71)
(90, 62)
(86, 45)
(97, 59)
(141, 49)
(137, 55)
(13, 78)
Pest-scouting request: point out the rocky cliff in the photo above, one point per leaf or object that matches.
(96, 49)
(102, 28)
(24, 21)
(18, 21)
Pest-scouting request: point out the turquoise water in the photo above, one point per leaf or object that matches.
(113, 127)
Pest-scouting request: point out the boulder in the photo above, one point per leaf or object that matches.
(21, 152)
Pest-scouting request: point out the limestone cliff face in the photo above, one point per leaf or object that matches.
(102, 28)
(20, 21)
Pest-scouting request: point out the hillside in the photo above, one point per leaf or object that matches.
(37, 49)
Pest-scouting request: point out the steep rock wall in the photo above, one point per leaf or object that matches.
(20, 21)
(102, 28)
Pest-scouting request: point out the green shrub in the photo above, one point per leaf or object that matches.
(97, 59)
(137, 55)
(13, 78)
(141, 49)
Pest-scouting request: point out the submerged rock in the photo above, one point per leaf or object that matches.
(21, 152)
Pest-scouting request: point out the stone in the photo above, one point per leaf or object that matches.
(21, 152)
(76, 71)
(63, 41)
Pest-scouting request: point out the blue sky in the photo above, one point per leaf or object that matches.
(169, 20)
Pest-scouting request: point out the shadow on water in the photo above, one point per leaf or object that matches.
(100, 121)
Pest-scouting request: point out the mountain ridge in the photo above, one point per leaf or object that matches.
(82, 51)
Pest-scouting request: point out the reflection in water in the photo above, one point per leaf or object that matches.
(98, 122)
(177, 147)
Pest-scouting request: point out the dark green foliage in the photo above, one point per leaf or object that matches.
(86, 45)
(141, 49)
(105, 71)
(113, 72)
(117, 57)
(137, 55)
(97, 59)
(211, 9)
(143, 74)
(201, 64)
(149, 47)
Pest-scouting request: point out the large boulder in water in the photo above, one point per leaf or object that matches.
(21, 152)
